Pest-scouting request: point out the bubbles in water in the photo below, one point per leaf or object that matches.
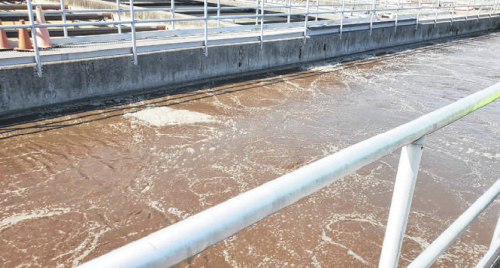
(164, 116)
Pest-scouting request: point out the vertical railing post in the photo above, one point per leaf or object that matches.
(262, 24)
(289, 11)
(418, 14)
(437, 10)
(132, 25)
(480, 9)
(401, 202)
(467, 12)
(453, 12)
(342, 18)
(317, 10)
(63, 15)
(473, 6)
(205, 11)
(496, 234)
(218, 13)
(172, 13)
(119, 14)
(33, 35)
(397, 16)
(493, 8)
(305, 21)
(257, 12)
(372, 15)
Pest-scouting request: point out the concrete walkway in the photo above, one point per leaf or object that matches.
(73, 48)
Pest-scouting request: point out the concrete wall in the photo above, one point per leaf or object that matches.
(21, 89)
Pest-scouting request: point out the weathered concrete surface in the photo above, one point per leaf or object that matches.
(21, 89)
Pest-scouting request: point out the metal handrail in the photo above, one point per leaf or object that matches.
(321, 9)
(184, 239)
(98, 23)
(432, 252)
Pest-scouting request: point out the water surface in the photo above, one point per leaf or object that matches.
(76, 186)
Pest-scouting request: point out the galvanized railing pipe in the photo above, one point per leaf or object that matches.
(453, 12)
(494, 250)
(63, 16)
(437, 9)
(289, 11)
(418, 13)
(317, 10)
(210, 8)
(341, 28)
(305, 21)
(262, 24)
(142, 21)
(257, 12)
(61, 25)
(218, 13)
(67, 11)
(493, 7)
(17, 26)
(402, 196)
(479, 11)
(119, 15)
(436, 248)
(262, 16)
(172, 12)
(132, 26)
(99, 23)
(496, 6)
(33, 34)
(467, 11)
(372, 15)
(184, 239)
(397, 16)
(496, 234)
(205, 32)
(491, 255)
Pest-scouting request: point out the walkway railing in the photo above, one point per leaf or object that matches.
(311, 13)
(184, 239)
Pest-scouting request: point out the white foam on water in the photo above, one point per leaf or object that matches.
(35, 214)
(177, 212)
(165, 116)
(323, 67)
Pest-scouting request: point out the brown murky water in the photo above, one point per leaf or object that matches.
(77, 186)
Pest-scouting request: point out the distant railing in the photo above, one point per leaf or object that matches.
(184, 239)
(334, 14)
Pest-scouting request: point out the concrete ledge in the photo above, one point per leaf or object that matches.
(21, 89)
